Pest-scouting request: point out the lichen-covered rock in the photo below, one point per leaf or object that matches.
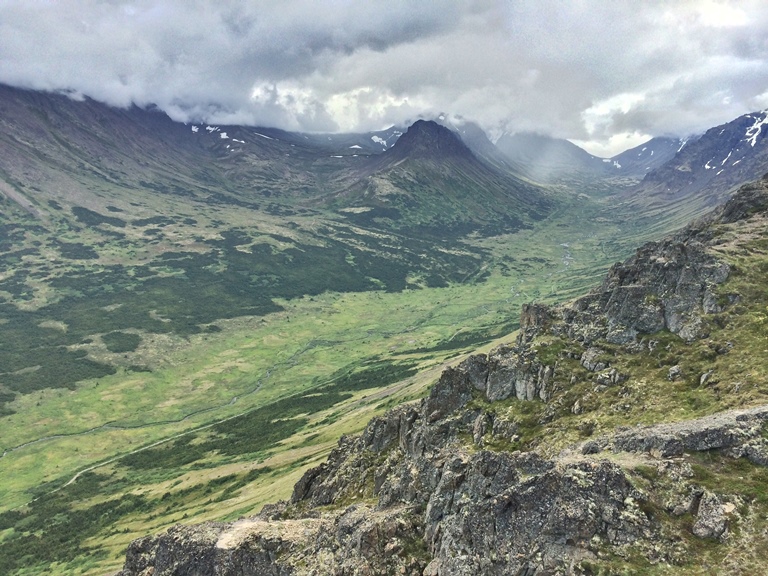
(710, 518)
(485, 517)
(357, 541)
(738, 431)
(666, 285)
(205, 550)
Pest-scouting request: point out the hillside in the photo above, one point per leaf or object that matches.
(547, 159)
(430, 182)
(707, 168)
(620, 433)
(106, 211)
(642, 159)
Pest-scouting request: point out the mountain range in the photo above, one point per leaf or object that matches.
(191, 314)
(712, 164)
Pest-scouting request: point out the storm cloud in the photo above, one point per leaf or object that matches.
(604, 74)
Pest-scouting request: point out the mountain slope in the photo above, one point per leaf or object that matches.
(640, 160)
(704, 170)
(122, 225)
(55, 148)
(547, 159)
(431, 183)
(481, 146)
(178, 305)
(505, 467)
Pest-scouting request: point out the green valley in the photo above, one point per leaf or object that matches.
(187, 326)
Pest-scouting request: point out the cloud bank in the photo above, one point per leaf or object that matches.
(604, 74)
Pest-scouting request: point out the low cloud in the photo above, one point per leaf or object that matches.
(601, 73)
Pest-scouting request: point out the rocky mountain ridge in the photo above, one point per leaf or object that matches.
(706, 168)
(640, 160)
(468, 481)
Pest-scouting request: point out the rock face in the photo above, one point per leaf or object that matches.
(430, 498)
(710, 520)
(739, 431)
(667, 285)
(360, 540)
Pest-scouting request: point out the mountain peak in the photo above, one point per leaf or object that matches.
(427, 139)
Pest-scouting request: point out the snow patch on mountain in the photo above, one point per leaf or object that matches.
(754, 131)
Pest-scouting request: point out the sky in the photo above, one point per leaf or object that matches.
(605, 74)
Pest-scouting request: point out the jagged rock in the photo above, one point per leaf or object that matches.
(610, 378)
(665, 285)
(452, 391)
(750, 199)
(515, 372)
(685, 502)
(357, 541)
(534, 319)
(674, 373)
(320, 488)
(382, 433)
(476, 369)
(206, 549)
(591, 360)
(546, 520)
(755, 451)
(504, 429)
(479, 429)
(710, 518)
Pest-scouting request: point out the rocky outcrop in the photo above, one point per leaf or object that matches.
(710, 518)
(740, 432)
(358, 541)
(487, 517)
(440, 508)
(666, 285)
